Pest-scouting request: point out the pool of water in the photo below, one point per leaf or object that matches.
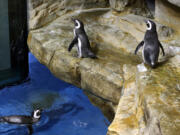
(67, 111)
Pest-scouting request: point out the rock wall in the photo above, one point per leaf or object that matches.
(175, 2)
(168, 13)
(42, 12)
(137, 99)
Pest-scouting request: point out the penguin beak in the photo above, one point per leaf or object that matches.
(40, 110)
(145, 21)
(72, 19)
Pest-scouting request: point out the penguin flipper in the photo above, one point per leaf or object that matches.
(162, 48)
(72, 44)
(30, 129)
(139, 46)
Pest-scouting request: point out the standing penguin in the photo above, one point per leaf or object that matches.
(23, 119)
(81, 40)
(151, 45)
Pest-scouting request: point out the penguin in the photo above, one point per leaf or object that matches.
(23, 119)
(151, 45)
(81, 40)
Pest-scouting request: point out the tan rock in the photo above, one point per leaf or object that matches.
(100, 78)
(167, 14)
(126, 121)
(42, 12)
(119, 5)
(147, 99)
(160, 94)
(149, 105)
(65, 67)
(175, 2)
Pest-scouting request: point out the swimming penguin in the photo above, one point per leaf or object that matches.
(23, 119)
(151, 45)
(81, 40)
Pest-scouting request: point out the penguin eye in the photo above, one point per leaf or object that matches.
(38, 113)
(148, 25)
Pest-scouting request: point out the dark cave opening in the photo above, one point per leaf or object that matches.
(151, 5)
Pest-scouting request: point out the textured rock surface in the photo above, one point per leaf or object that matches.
(119, 5)
(54, 39)
(150, 101)
(145, 101)
(138, 7)
(44, 11)
(167, 14)
(175, 2)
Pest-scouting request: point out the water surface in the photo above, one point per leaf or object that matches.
(67, 111)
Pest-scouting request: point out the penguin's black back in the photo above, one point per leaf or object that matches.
(81, 34)
(151, 46)
(25, 120)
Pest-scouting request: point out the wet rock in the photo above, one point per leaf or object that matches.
(141, 68)
(149, 103)
(107, 107)
(126, 120)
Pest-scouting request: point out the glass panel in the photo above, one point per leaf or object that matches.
(4, 36)
(13, 42)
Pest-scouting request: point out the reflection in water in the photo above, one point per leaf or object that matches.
(66, 109)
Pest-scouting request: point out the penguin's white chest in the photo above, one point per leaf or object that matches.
(16, 120)
(143, 54)
(79, 47)
(74, 32)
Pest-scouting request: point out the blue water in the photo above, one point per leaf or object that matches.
(67, 111)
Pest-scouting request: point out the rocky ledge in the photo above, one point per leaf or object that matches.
(144, 101)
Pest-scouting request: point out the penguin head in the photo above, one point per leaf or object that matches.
(37, 114)
(78, 24)
(151, 26)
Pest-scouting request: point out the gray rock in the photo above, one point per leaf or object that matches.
(42, 12)
(167, 14)
(175, 2)
(119, 5)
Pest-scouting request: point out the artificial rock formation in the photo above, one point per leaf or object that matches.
(144, 101)
(168, 13)
(42, 12)
(175, 2)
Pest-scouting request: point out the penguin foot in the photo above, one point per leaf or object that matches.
(30, 129)
(92, 55)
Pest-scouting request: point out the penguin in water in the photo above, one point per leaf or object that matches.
(81, 40)
(151, 45)
(23, 119)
